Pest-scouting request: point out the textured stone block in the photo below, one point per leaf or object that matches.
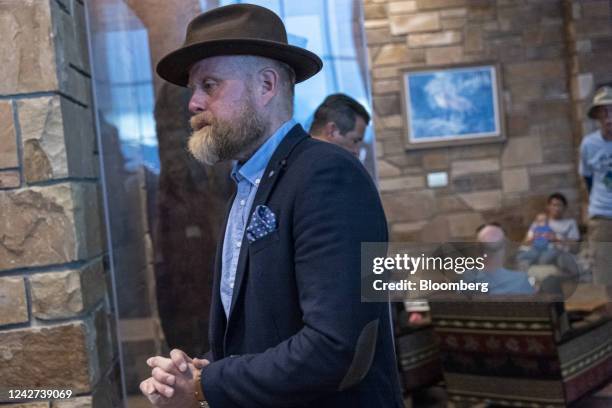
(385, 169)
(534, 70)
(58, 139)
(386, 86)
(409, 206)
(515, 180)
(406, 231)
(434, 39)
(8, 141)
(10, 179)
(473, 39)
(440, 4)
(476, 182)
(71, 53)
(454, 12)
(392, 122)
(413, 23)
(405, 160)
(436, 160)
(49, 225)
(463, 225)
(483, 200)
(67, 293)
(55, 357)
(44, 149)
(399, 7)
(401, 183)
(13, 303)
(436, 230)
(28, 58)
(444, 55)
(470, 152)
(379, 36)
(451, 203)
(373, 24)
(521, 151)
(463, 167)
(70, 34)
(547, 183)
(453, 23)
(387, 105)
(374, 11)
(392, 54)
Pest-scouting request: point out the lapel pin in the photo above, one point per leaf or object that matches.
(271, 173)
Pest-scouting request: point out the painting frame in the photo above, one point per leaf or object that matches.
(416, 141)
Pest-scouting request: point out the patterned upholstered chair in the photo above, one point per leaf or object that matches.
(417, 353)
(519, 354)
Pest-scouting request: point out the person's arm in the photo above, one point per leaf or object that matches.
(336, 209)
(588, 181)
(529, 236)
(584, 168)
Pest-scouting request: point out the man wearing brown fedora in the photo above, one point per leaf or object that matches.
(596, 168)
(287, 325)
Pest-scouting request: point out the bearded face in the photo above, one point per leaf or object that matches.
(215, 139)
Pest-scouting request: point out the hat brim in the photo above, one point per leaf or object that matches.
(594, 106)
(175, 66)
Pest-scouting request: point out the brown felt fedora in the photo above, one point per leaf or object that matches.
(238, 29)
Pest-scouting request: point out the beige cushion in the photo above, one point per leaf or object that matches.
(541, 272)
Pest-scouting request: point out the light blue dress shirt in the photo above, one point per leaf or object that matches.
(247, 177)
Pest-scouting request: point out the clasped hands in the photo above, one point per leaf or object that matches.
(172, 380)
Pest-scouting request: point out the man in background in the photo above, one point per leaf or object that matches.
(341, 120)
(501, 281)
(596, 169)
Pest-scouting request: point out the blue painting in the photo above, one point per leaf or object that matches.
(452, 104)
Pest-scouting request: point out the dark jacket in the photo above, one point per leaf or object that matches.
(298, 334)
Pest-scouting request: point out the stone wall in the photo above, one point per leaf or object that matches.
(508, 182)
(55, 320)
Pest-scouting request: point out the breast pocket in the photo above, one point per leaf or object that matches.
(264, 242)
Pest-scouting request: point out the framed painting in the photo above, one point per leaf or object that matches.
(446, 106)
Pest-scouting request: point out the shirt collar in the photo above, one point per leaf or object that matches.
(253, 169)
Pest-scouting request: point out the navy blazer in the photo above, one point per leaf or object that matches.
(298, 334)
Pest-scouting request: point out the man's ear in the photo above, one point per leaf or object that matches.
(330, 130)
(268, 84)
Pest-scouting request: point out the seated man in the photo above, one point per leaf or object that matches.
(551, 238)
(501, 281)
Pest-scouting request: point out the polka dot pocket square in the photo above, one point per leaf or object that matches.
(263, 222)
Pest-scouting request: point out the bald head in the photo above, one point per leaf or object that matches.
(493, 241)
(491, 234)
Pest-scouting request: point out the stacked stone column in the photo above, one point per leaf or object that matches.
(55, 316)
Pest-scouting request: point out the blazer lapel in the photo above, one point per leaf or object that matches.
(272, 173)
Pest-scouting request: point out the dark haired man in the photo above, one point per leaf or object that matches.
(340, 120)
(559, 240)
